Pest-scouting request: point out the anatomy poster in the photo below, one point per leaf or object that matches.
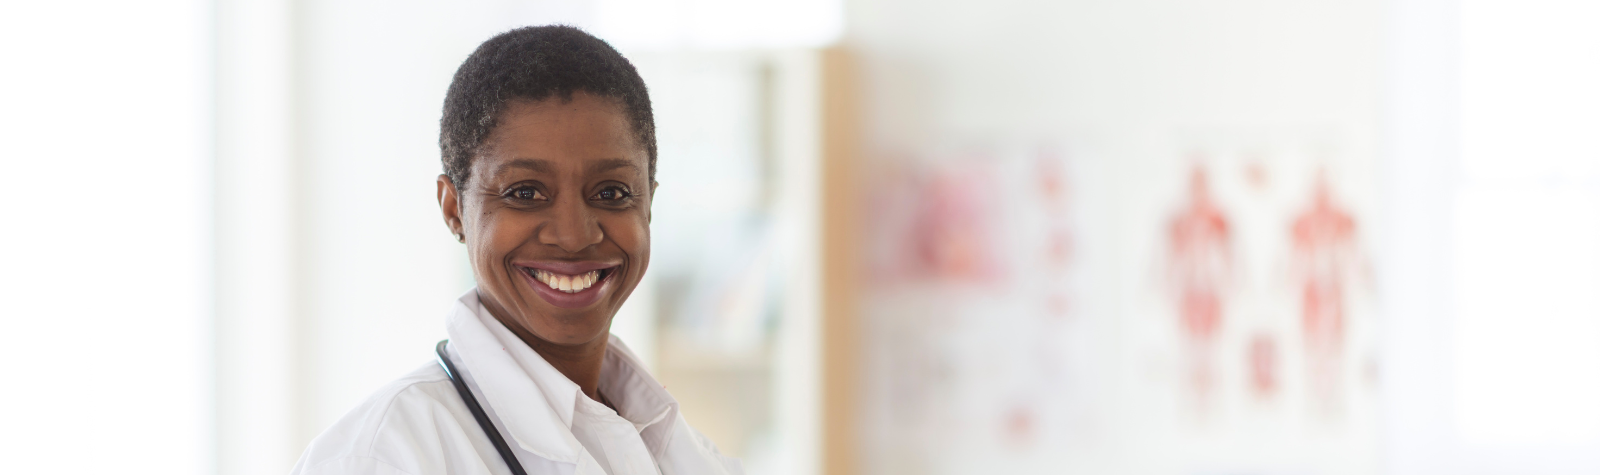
(1204, 305)
(985, 344)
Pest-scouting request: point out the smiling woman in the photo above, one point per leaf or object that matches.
(549, 155)
(559, 201)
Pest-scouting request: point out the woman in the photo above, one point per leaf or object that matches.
(549, 154)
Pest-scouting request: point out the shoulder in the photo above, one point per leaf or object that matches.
(402, 428)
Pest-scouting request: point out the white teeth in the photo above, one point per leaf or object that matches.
(567, 283)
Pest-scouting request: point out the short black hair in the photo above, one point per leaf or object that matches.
(536, 63)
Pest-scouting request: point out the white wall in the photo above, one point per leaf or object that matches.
(254, 238)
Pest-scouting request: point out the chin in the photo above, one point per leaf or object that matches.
(565, 327)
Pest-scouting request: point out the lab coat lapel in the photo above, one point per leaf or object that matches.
(524, 409)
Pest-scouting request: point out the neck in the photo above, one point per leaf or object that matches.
(580, 362)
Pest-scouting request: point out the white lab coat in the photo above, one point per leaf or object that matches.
(418, 425)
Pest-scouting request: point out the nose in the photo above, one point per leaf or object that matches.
(572, 227)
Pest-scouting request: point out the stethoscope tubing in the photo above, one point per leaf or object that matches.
(477, 411)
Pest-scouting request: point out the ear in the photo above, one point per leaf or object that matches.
(450, 206)
(650, 212)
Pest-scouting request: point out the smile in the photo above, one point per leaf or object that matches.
(568, 283)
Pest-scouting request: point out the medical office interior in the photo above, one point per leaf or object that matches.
(1183, 237)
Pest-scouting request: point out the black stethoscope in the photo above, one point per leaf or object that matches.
(477, 411)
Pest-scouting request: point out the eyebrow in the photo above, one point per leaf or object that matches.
(537, 165)
(612, 164)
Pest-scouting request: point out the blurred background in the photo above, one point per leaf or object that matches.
(896, 237)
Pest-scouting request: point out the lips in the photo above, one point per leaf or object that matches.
(569, 284)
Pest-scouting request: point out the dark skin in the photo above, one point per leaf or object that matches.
(563, 185)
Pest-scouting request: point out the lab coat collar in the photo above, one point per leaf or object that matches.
(528, 395)
(535, 402)
(639, 398)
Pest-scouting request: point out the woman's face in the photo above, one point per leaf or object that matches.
(556, 217)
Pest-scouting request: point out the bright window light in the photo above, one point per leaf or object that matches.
(103, 252)
(1528, 224)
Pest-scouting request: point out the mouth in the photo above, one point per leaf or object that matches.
(570, 284)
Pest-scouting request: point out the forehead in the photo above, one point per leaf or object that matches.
(563, 135)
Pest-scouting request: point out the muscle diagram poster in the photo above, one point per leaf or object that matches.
(1250, 313)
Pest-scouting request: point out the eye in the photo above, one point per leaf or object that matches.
(613, 193)
(525, 192)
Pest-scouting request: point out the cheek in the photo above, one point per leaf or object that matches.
(496, 235)
(633, 236)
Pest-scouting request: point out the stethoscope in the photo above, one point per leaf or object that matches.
(477, 411)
